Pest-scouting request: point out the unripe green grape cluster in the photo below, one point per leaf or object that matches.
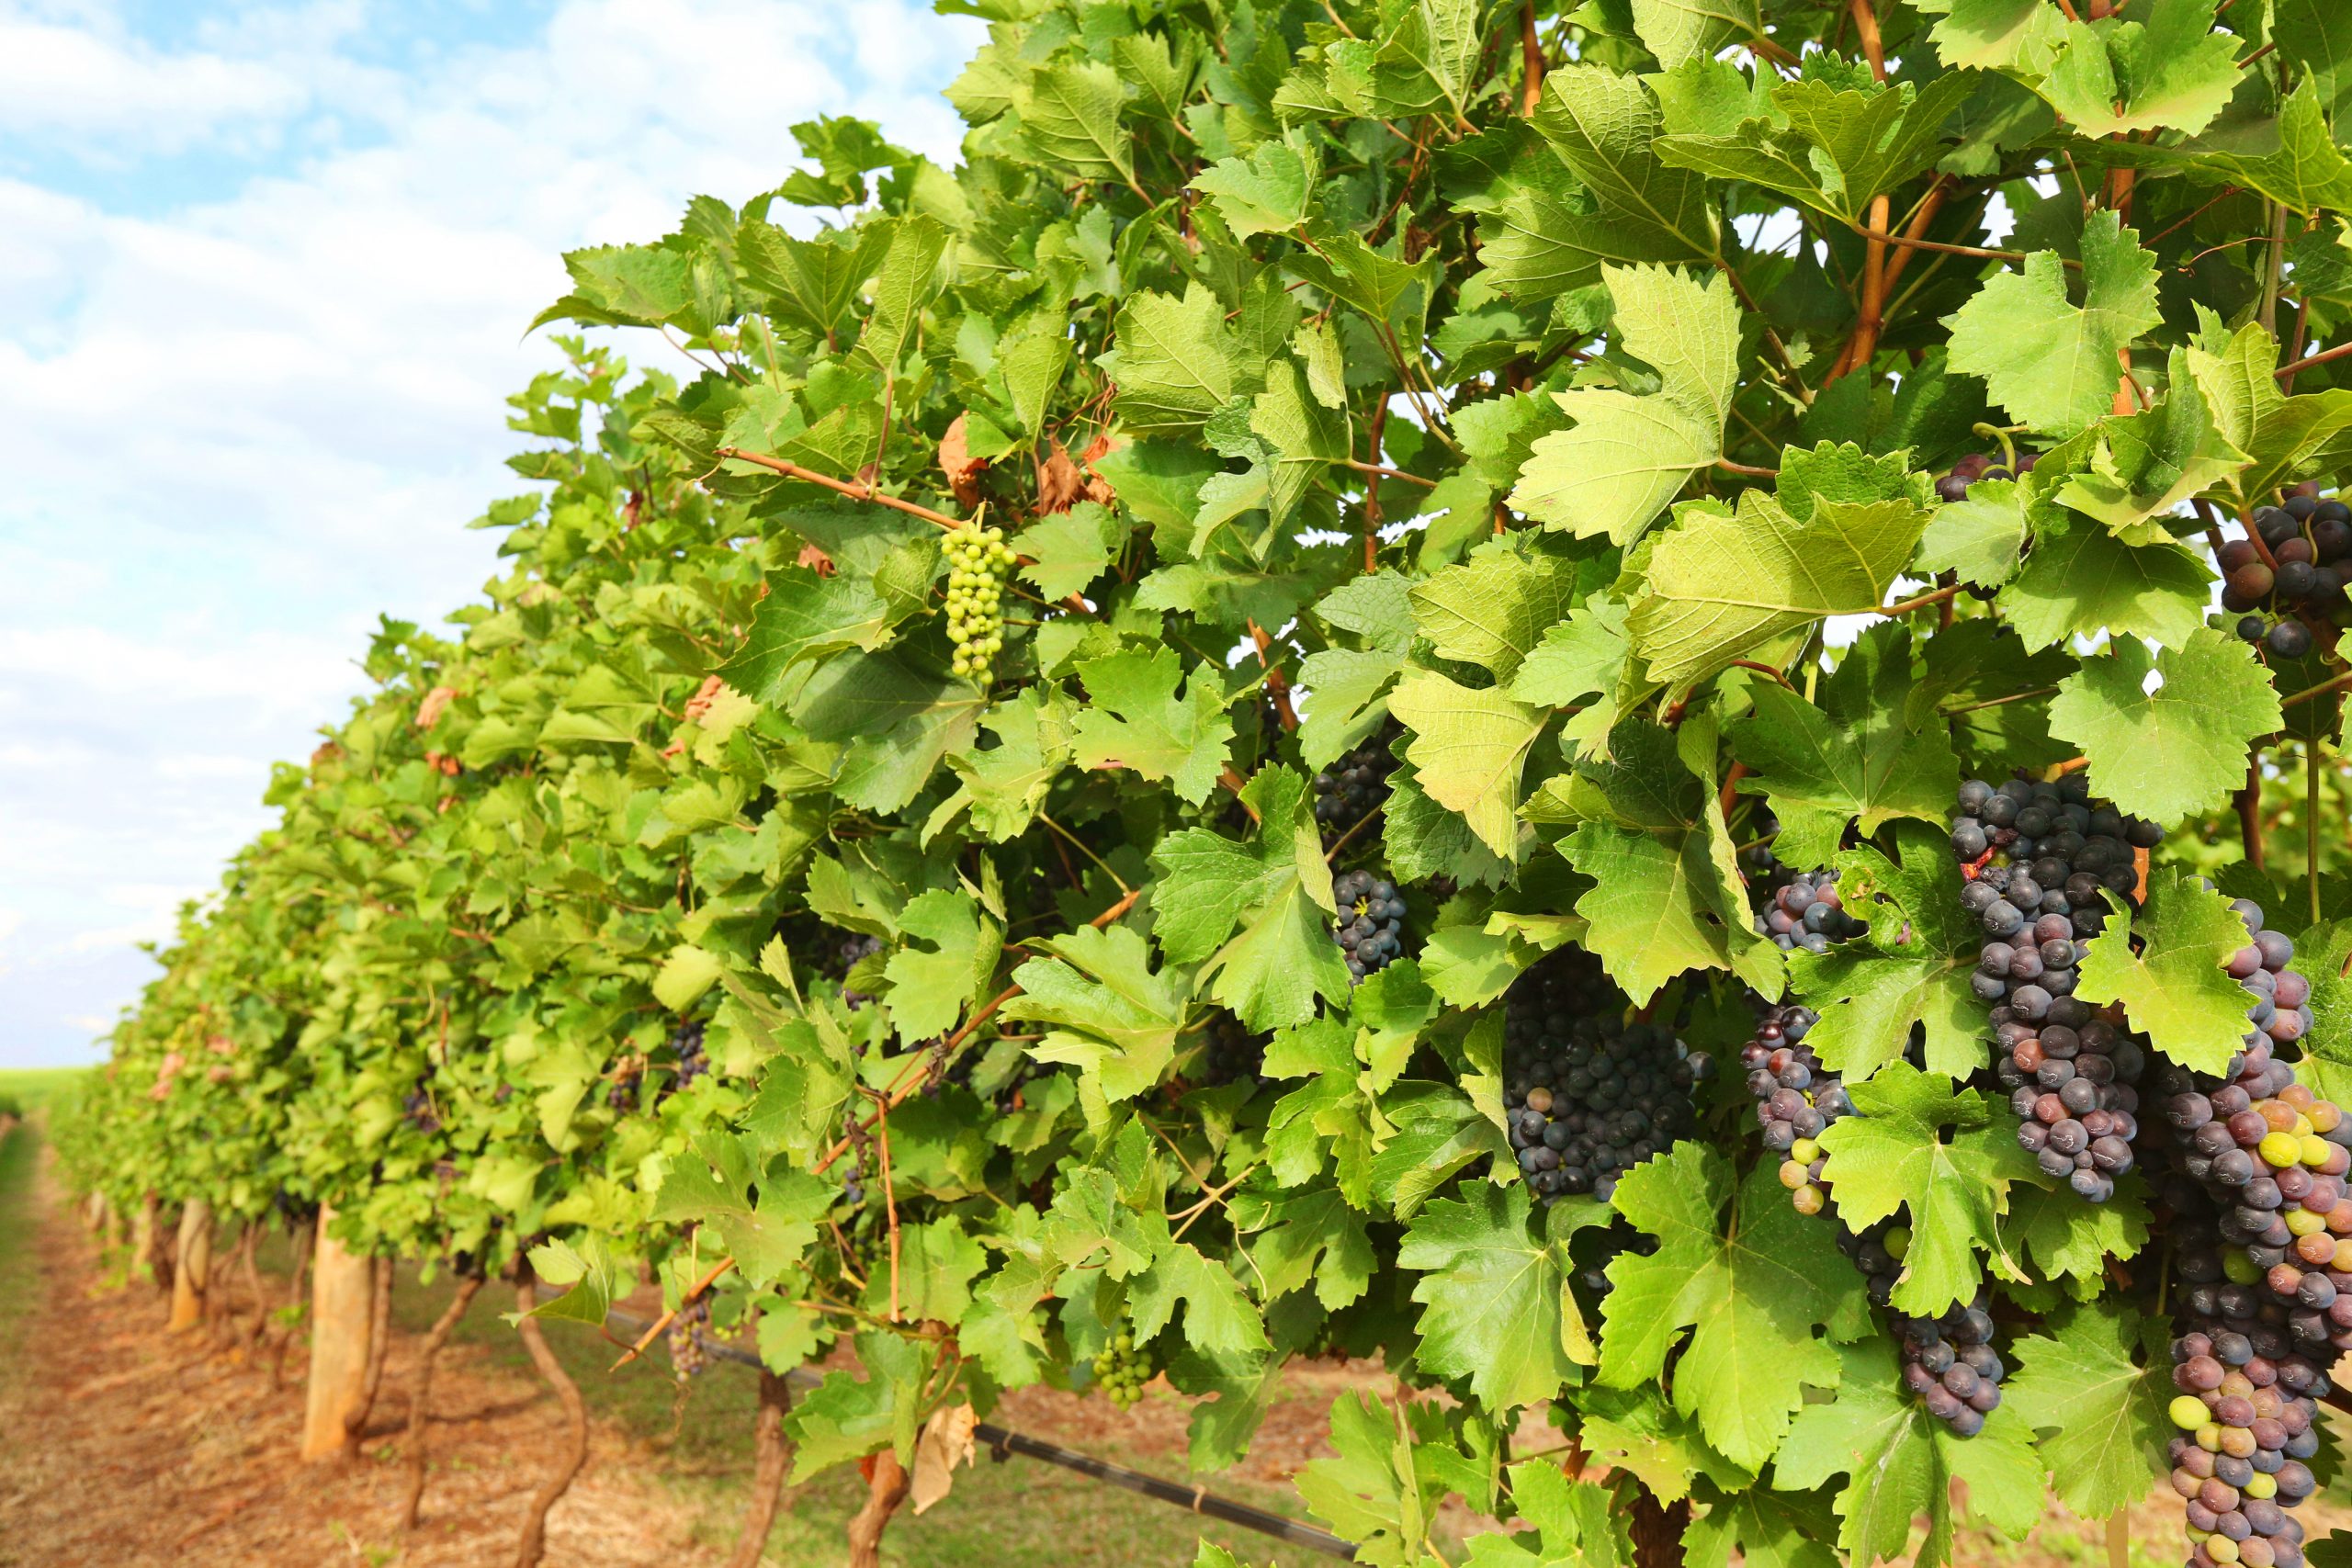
(1122, 1370)
(979, 561)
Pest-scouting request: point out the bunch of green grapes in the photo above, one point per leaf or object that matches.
(979, 561)
(1122, 1370)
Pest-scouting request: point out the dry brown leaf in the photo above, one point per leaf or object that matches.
(1060, 483)
(815, 559)
(1098, 489)
(428, 712)
(963, 469)
(946, 1443)
(705, 695)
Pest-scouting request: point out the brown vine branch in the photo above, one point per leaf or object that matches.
(793, 470)
(1531, 60)
(532, 1544)
(772, 1458)
(887, 1486)
(2324, 357)
(1921, 603)
(379, 1335)
(1277, 684)
(710, 1277)
(1388, 473)
(421, 1402)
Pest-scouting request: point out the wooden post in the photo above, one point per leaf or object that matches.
(192, 1266)
(143, 1235)
(343, 1295)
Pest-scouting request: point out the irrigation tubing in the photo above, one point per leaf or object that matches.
(1001, 1442)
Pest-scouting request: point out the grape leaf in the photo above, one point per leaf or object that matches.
(1917, 1143)
(1069, 118)
(1266, 192)
(1747, 1274)
(2101, 1413)
(846, 1417)
(929, 988)
(1107, 1012)
(1135, 720)
(2050, 362)
(1719, 588)
(1666, 894)
(1574, 1523)
(1638, 1430)
(1626, 456)
(1468, 749)
(1834, 149)
(1978, 537)
(2071, 1240)
(1859, 755)
(1497, 1306)
(1911, 971)
(2081, 575)
(1900, 1463)
(1172, 362)
(1759, 1529)
(2171, 72)
(2174, 989)
(1277, 887)
(1491, 610)
(2145, 466)
(2182, 750)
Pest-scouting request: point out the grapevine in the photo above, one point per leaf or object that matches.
(1553, 545)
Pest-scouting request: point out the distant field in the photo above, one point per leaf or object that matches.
(31, 1085)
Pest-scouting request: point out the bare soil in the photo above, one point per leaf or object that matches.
(121, 1446)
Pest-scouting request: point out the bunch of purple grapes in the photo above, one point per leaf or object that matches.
(2040, 859)
(1796, 1098)
(1370, 925)
(1355, 784)
(1948, 1362)
(1589, 1095)
(1807, 912)
(1977, 466)
(1229, 1053)
(2308, 543)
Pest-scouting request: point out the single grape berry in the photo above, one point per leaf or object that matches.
(1370, 926)
(2288, 639)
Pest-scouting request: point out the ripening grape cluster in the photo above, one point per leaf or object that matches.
(1589, 1095)
(1370, 925)
(2041, 858)
(2309, 541)
(1354, 787)
(1123, 1369)
(621, 1094)
(687, 1044)
(687, 1356)
(417, 1108)
(1807, 912)
(978, 560)
(1977, 466)
(2238, 1458)
(1950, 1364)
(855, 950)
(1229, 1053)
(1877, 1252)
(1796, 1097)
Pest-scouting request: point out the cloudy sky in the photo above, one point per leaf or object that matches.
(263, 276)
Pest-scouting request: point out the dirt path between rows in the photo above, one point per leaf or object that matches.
(121, 1447)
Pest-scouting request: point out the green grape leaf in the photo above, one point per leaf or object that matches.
(846, 1417)
(1267, 192)
(1626, 456)
(1901, 1463)
(2177, 752)
(2171, 72)
(1468, 749)
(1574, 1523)
(1107, 1012)
(1135, 721)
(1862, 754)
(1751, 1278)
(2101, 1413)
(1919, 1144)
(1721, 587)
(1977, 539)
(2174, 989)
(1172, 362)
(2081, 575)
(1834, 149)
(1667, 895)
(2050, 362)
(1276, 887)
(1912, 970)
(1497, 1306)
(1069, 118)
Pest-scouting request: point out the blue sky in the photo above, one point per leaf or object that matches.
(264, 273)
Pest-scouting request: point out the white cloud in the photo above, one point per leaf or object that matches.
(238, 427)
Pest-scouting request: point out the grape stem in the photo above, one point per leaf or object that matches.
(1921, 603)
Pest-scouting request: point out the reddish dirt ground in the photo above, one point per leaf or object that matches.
(122, 1447)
